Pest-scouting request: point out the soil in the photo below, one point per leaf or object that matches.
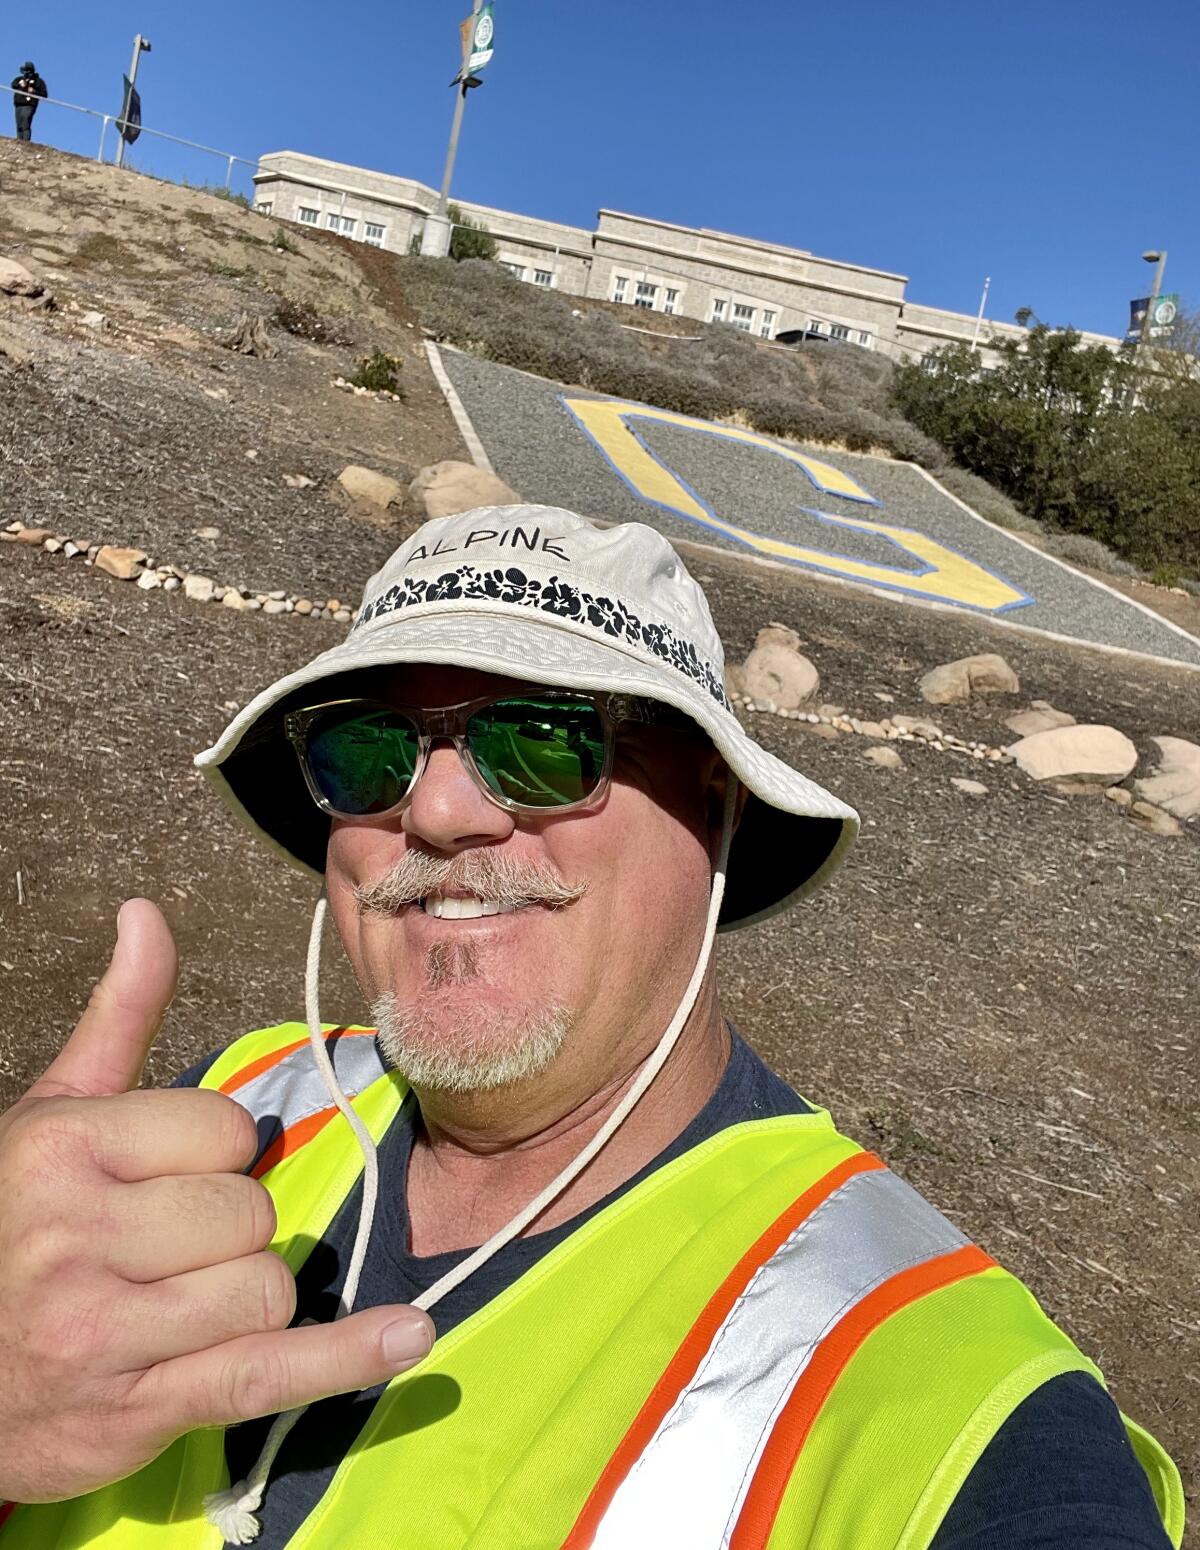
(999, 993)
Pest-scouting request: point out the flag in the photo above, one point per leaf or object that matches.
(1162, 322)
(130, 122)
(481, 42)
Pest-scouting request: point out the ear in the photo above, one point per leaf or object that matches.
(717, 776)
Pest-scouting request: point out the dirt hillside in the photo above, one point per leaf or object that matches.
(1000, 994)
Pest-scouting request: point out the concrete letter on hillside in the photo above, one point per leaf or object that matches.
(941, 575)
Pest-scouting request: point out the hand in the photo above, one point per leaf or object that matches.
(138, 1299)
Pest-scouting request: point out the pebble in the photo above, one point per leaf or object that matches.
(274, 605)
(304, 605)
(233, 599)
(886, 758)
(171, 583)
(972, 788)
(208, 532)
(148, 580)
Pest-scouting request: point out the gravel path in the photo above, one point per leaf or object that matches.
(539, 447)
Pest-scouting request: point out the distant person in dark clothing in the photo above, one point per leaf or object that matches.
(27, 87)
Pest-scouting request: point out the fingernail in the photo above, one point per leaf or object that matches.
(408, 1339)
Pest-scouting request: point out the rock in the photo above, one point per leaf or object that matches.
(824, 730)
(52, 545)
(918, 726)
(1080, 788)
(171, 584)
(124, 564)
(333, 604)
(15, 350)
(832, 712)
(450, 486)
(198, 588)
(971, 788)
(274, 605)
(148, 580)
(71, 548)
(16, 280)
(252, 454)
(735, 682)
(1154, 819)
(1176, 786)
(1087, 753)
(298, 481)
(1028, 722)
(871, 729)
(775, 670)
(304, 605)
(956, 681)
(233, 599)
(885, 758)
(208, 532)
(96, 320)
(221, 394)
(1119, 795)
(250, 338)
(251, 605)
(34, 536)
(275, 597)
(342, 615)
(364, 484)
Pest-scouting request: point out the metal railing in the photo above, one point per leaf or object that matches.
(134, 159)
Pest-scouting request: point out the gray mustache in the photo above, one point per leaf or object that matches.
(482, 872)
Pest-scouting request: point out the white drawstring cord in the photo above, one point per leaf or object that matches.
(232, 1511)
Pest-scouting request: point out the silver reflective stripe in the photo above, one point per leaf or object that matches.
(691, 1479)
(292, 1089)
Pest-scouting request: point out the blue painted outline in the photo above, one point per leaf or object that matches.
(1023, 600)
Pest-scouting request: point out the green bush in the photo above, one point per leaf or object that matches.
(468, 238)
(378, 372)
(282, 241)
(1075, 436)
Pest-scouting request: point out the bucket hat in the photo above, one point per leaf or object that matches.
(543, 595)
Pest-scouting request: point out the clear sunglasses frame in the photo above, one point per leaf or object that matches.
(448, 723)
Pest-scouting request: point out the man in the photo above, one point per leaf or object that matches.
(28, 89)
(674, 1307)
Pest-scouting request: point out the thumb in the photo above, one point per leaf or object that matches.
(108, 1048)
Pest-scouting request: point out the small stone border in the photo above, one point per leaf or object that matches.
(903, 729)
(135, 565)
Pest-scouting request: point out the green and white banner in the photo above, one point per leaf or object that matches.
(482, 40)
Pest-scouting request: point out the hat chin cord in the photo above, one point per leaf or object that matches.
(233, 1511)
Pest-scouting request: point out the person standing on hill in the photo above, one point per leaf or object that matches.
(28, 88)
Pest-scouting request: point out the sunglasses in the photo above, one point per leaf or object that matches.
(527, 752)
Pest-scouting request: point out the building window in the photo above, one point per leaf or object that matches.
(543, 277)
(516, 270)
(373, 234)
(647, 294)
(839, 331)
(718, 310)
(864, 339)
(308, 217)
(743, 317)
(768, 324)
(815, 326)
(619, 284)
(265, 206)
(671, 301)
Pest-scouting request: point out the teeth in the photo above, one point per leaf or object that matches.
(464, 909)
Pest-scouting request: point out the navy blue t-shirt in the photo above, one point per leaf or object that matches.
(1059, 1474)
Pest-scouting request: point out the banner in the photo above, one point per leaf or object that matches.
(130, 122)
(481, 43)
(1162, 323)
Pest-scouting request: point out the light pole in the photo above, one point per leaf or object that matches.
(1150, 257)
(140, 46)
(435, 237)
(987, 285)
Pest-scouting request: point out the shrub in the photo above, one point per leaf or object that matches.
(985, 499)
(305, 322)
(283, 242)
(1165, 575)
(378, 372)
(1077, 549)
(468, 238)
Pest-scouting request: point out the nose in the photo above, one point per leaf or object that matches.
(448, 811)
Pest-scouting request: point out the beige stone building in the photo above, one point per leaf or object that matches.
(760, 287)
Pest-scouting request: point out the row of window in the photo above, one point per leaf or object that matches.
(645, 294)
(839, 331)
(347, 225)
(542, 277)
(743, 315)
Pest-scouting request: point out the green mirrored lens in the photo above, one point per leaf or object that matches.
(541, 753)
(362, 761)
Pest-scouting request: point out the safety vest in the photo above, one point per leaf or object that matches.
(770, 1342)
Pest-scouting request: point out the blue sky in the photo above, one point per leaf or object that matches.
(1044, 144)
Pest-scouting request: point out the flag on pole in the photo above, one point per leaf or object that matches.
(130, 122)
(481, 41)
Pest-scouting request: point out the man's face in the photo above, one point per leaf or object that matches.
(584, 979)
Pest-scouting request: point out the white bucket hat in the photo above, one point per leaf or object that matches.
(539, 594)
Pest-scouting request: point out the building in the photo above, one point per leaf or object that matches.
(760, 287)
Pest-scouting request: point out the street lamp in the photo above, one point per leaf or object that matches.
(1151, 256)
(140, 46)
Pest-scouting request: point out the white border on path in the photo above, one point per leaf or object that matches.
(481, 460)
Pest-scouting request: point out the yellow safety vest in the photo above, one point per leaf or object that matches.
(770, 1343)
